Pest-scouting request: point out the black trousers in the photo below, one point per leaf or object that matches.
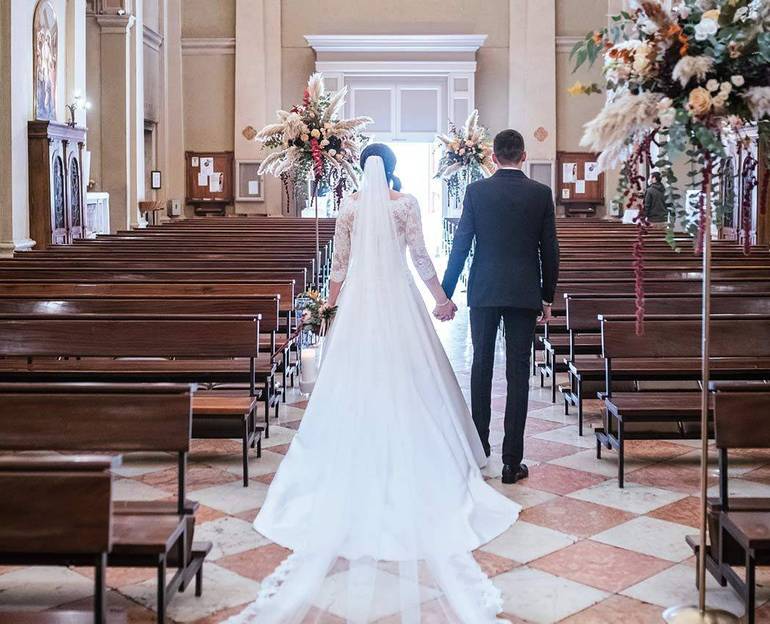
(519, 332)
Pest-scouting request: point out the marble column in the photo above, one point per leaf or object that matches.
(257, 86)
(532, 75)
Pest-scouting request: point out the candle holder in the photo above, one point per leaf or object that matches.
(79, 102)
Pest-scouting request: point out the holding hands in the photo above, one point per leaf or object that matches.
(445, 311)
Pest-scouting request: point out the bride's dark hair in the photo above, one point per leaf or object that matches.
(388, 159)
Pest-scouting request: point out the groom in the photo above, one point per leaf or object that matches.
(513, 278)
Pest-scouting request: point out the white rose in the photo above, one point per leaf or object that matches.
(726, 88)
(712, 85)
(738, 80)
(648, 27)
(332, 152)
(324, 143)
(705, 29)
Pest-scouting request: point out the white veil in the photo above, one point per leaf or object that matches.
(380, 495)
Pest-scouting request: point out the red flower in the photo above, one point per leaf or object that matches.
(318, 164)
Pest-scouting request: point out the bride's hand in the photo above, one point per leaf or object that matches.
(445, 311)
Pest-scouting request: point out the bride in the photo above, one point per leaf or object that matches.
(380, 495)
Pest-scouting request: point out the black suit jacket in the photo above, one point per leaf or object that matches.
(516, 259)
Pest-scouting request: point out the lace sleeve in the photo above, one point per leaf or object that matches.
(341, 257)
(416, 242)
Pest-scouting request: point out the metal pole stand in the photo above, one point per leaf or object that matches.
(688, 614)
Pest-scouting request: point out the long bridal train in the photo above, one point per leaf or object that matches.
(380, 495)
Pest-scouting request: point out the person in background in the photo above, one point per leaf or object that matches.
(655, 199)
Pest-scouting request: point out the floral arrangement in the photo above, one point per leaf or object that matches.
(312, 142)
(688, 76)
(466, 157)
(316, 314)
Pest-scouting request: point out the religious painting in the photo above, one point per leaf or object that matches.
(46, 50)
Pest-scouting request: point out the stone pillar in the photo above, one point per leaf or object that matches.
(532, 75)
(116, 83)
(115, 113)
(6, 154)
(257, 86)
(136, 115)
(171, 125)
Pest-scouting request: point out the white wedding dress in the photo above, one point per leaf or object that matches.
(380, 495)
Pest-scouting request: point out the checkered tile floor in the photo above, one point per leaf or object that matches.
(583, 551)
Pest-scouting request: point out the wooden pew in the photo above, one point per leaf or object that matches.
(206, 349)
(626, 286)
(116, 418)
(670, 349)
(213, 291)
(740, 526)
(584, 330)
(57, 509)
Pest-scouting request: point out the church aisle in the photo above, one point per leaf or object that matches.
(583, 551)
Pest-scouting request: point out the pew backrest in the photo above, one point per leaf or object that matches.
(583, 311)
(680, 337)
(129, 336)
(60, 505)
(95, 417)
(740, 418)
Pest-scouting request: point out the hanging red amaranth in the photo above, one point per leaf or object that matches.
(339, 191)
(748, 184)
(285, 180)
(318, 165)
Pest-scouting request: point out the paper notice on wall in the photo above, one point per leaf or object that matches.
(207, 165)
(203, 179)
(580, 187)
(253, 187)
(195, 161)
(215, 182)
(592, 171)
(565, 193)
(569, 172)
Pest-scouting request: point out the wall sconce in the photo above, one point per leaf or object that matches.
(79, 102)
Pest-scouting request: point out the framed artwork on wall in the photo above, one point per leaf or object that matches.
(45, 40)
(155, 180)
(249, 184)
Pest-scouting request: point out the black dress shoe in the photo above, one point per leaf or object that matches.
(512, 474)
